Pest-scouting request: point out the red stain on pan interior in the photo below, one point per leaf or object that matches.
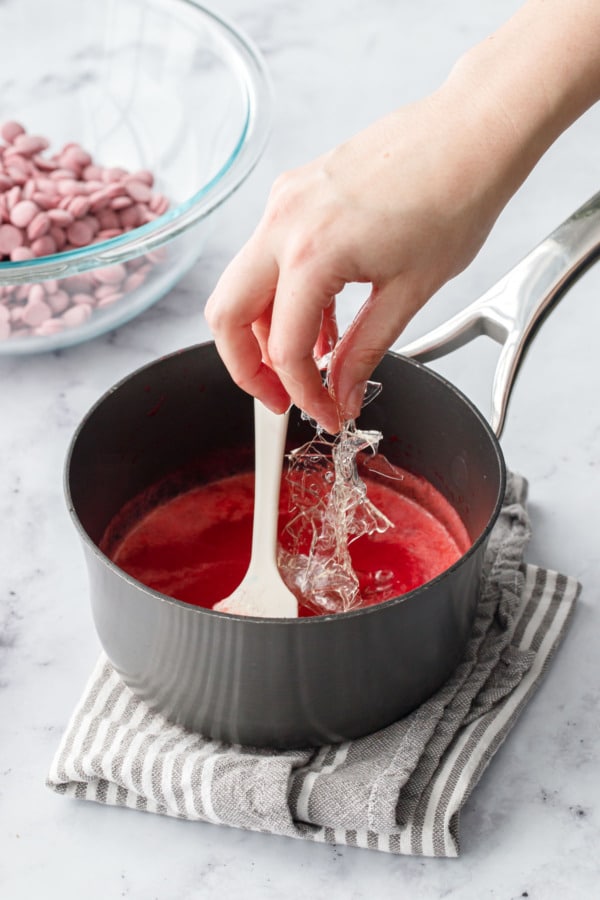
(156, 408)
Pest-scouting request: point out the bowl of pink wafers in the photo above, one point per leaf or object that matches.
(121, 136)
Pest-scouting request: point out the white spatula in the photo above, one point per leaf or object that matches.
(262, 591)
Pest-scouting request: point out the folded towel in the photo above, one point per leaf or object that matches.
(399, 790)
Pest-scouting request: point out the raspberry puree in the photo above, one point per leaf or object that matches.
(196, 546)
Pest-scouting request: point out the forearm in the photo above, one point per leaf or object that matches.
(524, 85)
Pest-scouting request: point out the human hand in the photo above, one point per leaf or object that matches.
(393, 207)
(403, 206)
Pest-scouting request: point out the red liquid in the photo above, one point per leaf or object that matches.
(196, 547)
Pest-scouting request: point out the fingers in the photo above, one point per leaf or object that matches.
(269, 321)
(379, 322)
(266, 323)
(303, 319)
(241, 299)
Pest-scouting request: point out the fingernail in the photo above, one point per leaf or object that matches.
(277, 408)
(353, 405)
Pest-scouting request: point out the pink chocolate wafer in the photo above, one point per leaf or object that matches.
(59, 202)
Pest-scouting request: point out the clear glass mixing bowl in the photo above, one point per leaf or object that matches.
(161, 85)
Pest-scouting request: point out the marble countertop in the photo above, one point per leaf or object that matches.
(532, 826)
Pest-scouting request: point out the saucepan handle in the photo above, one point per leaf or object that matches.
(511, 310)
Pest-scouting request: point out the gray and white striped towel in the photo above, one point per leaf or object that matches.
(399, 790)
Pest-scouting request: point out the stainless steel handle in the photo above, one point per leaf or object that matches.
(511, 310)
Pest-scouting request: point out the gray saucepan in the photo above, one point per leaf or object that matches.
(302, 682)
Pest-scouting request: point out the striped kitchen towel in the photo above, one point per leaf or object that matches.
(399, 790)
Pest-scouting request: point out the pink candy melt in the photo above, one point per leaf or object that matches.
(10, 238)
(23, 212)
(55, 203)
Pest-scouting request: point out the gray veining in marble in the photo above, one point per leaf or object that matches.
(532, 827)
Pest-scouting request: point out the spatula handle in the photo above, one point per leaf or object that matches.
(270, 431)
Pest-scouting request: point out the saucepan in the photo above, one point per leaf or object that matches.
(308, 681)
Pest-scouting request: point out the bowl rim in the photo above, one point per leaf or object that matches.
(255, 83)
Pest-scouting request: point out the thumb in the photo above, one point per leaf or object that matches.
(379, 322)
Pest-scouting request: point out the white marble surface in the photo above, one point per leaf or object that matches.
(532, 827)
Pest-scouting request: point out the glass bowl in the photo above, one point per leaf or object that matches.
(161, 86)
